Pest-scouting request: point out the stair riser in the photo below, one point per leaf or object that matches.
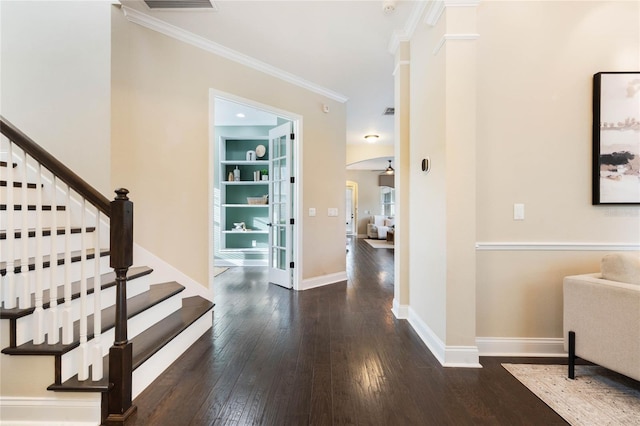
(135, 326)
(75, 272)
(25, 326)
(60, 242)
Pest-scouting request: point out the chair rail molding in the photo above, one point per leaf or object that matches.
(556, 246)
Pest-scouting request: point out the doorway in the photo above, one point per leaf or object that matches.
(351, 208)
(254, 181)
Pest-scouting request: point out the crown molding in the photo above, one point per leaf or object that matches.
(409, 27)
(556, 246)
(438, 7)
(448, 37)
(177, 33)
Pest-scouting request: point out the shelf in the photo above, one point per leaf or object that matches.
(245, 163)
(246, 182)
(248, 231)
(245, 205)
(244, 250)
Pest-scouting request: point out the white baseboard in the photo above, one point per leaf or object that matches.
(522, 347)
(163, 272)
(50, 411)
(400, 311)
(323, 280)
(448, 356)
(241, 262)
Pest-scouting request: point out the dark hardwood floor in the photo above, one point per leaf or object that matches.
(327, 356)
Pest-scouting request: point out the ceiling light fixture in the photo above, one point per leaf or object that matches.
(389, 170)
(371, 138)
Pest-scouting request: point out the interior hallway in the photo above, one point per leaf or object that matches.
(331, 355)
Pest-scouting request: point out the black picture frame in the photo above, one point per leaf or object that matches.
(616, 138)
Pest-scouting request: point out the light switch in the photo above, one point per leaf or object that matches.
(312, 211)
(518, 211)
(332, 211)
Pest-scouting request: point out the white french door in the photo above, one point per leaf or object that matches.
(280, 206)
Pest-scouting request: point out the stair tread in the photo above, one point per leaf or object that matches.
(18, 184)
(135, 305)
(46, 232)
(32, 207)
(75, 257)
(146, 343)
(107, 280)
(4, 164)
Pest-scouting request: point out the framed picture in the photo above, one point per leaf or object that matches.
(616, 138)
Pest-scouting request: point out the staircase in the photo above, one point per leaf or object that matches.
(61, 307)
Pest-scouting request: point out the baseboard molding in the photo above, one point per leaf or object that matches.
(241, 262)
(448, 356)
(309, 283)
(400, 311)
(521, 347)
(50, 411)
(163, 271)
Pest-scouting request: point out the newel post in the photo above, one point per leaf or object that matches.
(121, 354)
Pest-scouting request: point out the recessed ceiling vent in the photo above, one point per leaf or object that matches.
(181, 4)
(389, 111)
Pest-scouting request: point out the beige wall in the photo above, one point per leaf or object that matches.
(524, 136)
(161, 147)
(534, 147)
(55, 83)
(368, 196)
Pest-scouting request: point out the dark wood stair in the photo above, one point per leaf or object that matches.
(32, 207)
(146, 344)
(5, 164)
(3, 183)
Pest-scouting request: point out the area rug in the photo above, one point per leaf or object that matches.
(217, 270)
(380, 244)
(597, 396)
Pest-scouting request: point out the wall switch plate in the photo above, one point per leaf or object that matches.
(332, 211)
(312, 211)
(518, 211)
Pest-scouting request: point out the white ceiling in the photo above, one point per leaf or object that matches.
(340, 45)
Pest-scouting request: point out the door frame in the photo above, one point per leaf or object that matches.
(296, 171)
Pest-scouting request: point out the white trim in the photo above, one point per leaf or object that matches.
(409, 27)
(438, 7)
(239, 262)
(555, 246)
(398, 65)
(163, 271)
(309, 283)
(50, 410)
(448, 356)
(448, 37)
(177, 33)
(524, 346)
(400, 311)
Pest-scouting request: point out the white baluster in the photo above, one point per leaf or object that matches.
(53, 336)
(67, 315)
(38, 315)
(10, 291)
(96, 369)
(83, 368)
(25, 294)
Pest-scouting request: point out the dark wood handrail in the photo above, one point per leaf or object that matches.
(51, 163)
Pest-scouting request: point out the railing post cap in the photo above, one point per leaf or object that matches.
(122, 194)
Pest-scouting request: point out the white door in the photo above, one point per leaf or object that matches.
(280, 206)
(349, 210)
